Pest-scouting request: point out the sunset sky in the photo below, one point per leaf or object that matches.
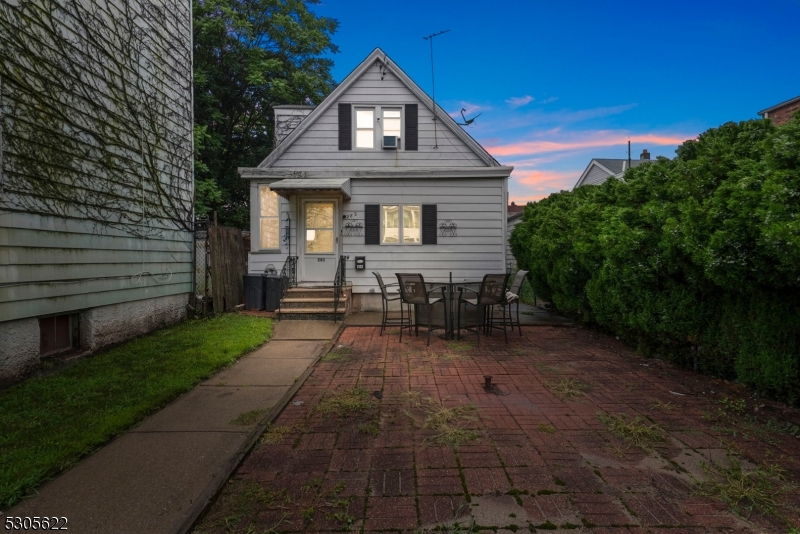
(559, 83)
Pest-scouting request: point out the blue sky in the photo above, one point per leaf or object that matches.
(559, 83)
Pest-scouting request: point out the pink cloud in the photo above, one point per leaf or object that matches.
(601, 138)
(533, 185)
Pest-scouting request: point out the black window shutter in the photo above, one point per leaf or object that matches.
(372, 224)
(429, 224)
(345, 127)
(412, 127)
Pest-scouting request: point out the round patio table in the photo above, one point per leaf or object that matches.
(452, 286)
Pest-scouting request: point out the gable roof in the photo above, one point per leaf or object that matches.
(424, 99)
(611, 166)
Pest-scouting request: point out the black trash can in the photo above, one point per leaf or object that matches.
(274, 291)
(254, 291)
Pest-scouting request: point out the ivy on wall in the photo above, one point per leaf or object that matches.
(96, 112)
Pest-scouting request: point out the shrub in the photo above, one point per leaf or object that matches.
(696, 259)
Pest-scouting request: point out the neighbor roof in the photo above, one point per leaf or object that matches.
(612, 166)
(777, 106)
(424, 99)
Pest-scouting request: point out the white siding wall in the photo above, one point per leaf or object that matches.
(475, 205)
(318, 147)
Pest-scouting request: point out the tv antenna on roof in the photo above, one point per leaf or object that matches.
(433, 87)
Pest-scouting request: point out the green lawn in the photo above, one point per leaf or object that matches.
(48, 423)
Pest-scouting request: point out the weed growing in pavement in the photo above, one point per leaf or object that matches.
(633, 431)
(239, 501)
(345, 401)
(745, 492)
(248, 418)
(338, 354)
(449, 424)
(459, 345)
(545, 368)
(659, 405)
(448, 356)
(547, 429)
(371, 428)
(275, 435)
(567, 388)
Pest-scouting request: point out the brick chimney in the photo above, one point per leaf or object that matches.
(645, 155)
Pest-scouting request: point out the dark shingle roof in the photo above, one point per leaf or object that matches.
(616, 165)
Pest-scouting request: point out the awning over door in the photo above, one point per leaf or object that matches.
(300, 185)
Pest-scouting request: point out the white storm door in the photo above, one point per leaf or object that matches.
(320, 241)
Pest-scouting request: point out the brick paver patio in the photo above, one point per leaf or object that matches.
(542, 457)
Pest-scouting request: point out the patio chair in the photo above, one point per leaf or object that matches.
(413, 291)
(515, 288)
(491, 293)
(386, 298)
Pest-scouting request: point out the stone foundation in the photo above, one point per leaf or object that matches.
(109, 325)
(19, 350)
(99, 327)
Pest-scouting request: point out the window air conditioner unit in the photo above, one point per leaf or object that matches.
(391, 142)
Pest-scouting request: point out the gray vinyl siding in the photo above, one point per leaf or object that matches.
(57, 264)
(475, 205)
(318, 147)
(596, 176)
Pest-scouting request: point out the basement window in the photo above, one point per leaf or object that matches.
(58, 333)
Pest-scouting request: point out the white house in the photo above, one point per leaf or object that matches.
(374, 171)
(600, 170)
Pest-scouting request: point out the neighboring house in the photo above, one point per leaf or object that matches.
(600, 170)
(369, 173)
(514, 217)
(96, 184)
(782, 112)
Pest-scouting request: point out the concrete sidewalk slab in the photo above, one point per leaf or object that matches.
(288, 349)
(261, 372)
(213, 408)
(141, 482)
(301, 330)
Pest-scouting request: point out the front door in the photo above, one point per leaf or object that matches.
(321, 241)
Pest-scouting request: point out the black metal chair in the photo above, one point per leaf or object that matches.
(413, 291)
(515, 288)
(386, 298)
(491, 293)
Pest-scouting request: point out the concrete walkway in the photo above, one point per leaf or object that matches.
(158, 476)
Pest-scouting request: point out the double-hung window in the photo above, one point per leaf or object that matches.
(400, 224)
(269, 215)
(365, 127)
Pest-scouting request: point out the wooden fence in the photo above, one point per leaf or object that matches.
(228, 265)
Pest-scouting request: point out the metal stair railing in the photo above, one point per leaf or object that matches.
(288, 279)
(338, 283)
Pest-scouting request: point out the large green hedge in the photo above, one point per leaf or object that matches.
(696, 259)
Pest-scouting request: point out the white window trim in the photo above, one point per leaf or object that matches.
(260, 217)
(377, 127)
(400, 241)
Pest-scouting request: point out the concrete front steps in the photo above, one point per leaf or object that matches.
(301, 303)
